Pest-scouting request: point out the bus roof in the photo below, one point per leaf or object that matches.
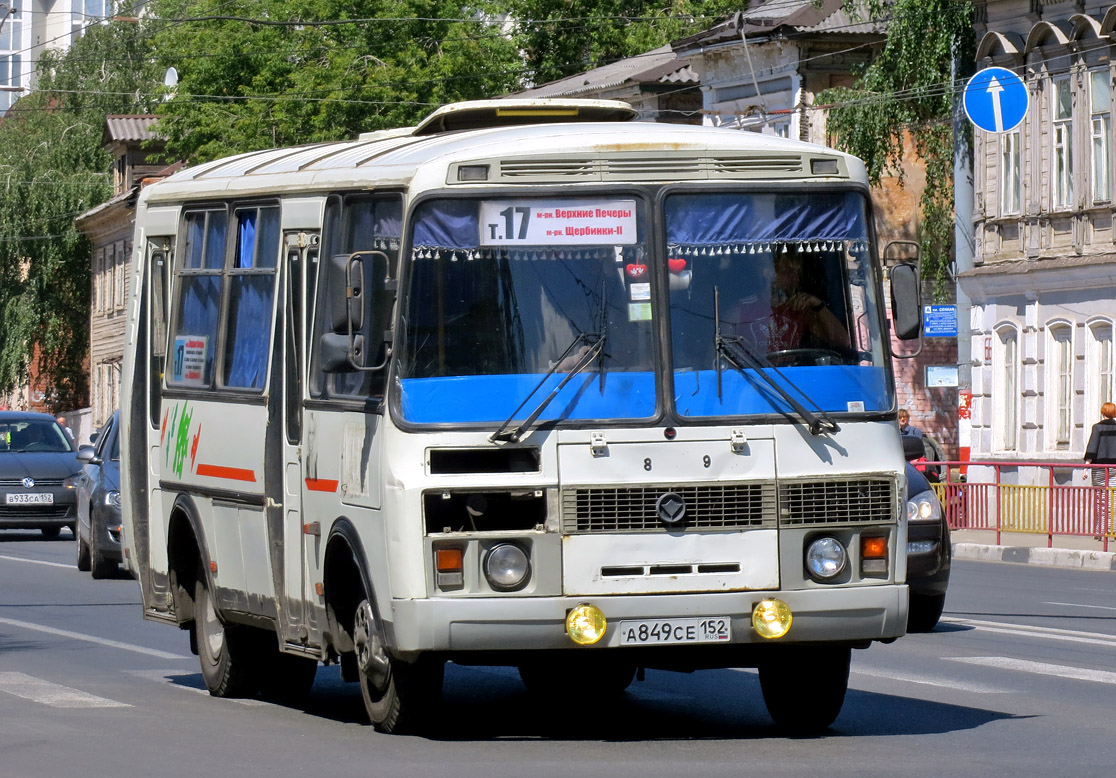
(521, 154)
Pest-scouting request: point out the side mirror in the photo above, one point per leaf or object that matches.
(339, 354)
(906, 302)
(86, 456)
(346, 292)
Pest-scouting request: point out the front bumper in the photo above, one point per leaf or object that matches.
(63, 513)
(538, 623)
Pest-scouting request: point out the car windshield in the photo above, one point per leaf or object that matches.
(33, 436)
(507, 296)
(785, 279)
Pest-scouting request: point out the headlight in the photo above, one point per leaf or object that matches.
(924, 506)
(825, 558)
(70, 481)
(112, 499)
(506, 567)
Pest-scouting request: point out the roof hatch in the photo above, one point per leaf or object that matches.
(481, 114)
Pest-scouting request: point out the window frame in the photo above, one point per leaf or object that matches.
(1005, 399)
(1059, 387)
(1100, 170)
(1061, 146)
(1100, 376)
(1011, 180)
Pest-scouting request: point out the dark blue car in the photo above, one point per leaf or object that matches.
(98, 503)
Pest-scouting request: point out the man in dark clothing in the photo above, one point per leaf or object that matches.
(1102, 451)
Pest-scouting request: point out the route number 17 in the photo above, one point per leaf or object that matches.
(510, 214)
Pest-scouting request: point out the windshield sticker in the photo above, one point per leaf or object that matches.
(641, 291)
(557, 222)
(639, 311)
(636, 271)
(189, 359)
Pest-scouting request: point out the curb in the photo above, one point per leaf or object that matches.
(1051, 557)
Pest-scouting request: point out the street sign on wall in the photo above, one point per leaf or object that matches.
(996, 100)
(939, 321)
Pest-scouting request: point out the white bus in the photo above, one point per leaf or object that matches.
(529, 385)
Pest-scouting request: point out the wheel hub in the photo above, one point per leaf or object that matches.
(372, 659)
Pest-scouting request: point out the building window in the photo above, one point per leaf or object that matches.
(1062, 168)
(1059, 391)
(86, 13)
(1100, 98)
(1009, 173)
(1099, 386)
(11, 60)
(1005, 393)
(118, 280)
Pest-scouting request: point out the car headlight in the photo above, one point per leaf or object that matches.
(507, 567)
(112, 499)
(825, 558)
(924, 506)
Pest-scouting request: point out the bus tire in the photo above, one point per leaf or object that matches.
(924, 612)
(224, 651)
(804, 686)
(399, 697)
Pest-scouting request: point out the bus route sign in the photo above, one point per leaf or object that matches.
(578, 222)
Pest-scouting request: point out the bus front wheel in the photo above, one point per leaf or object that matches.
(398, 696)
(804, 686)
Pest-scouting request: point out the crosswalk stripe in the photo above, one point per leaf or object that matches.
(37, 690)
(1052, 633)
(928, 680)
(37, 561)
(1038, 668)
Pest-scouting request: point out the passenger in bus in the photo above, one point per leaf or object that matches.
(780, 315)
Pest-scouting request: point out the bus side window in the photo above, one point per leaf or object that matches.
(359, 223)
(199, 283)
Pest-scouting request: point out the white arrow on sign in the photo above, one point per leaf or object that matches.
(994, 89)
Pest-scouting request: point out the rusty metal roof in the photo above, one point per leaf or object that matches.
(656, 66)
(131, 128)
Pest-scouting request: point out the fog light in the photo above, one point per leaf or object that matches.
(825, 558)
(506, 567)
(772, 618)
(586, 624)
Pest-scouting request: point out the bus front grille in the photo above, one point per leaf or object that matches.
(851, 501)
(634, 508)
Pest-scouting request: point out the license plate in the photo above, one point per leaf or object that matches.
(34, 498)
(711, 629)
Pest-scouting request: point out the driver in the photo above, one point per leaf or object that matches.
(781, 316)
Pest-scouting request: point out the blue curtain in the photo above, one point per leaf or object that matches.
(201, 303)
(716, 219)
(450, 224)
(250, 298)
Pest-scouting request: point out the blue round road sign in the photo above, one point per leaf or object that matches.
(996, 100)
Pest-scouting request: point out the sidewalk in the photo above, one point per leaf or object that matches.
(1082, 553)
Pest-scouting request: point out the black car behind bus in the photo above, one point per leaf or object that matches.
(36, 459)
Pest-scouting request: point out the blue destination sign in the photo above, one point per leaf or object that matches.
(996, 100)
(939, 321)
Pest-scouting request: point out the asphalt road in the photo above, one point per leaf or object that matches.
(1018, 680)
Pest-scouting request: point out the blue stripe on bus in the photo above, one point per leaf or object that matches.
(631, 395)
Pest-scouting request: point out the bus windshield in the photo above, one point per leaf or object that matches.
(506, 296)
(772, 294)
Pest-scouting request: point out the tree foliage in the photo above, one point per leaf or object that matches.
(52, 168)
(247, 85)
(910, 88)
(562, 37)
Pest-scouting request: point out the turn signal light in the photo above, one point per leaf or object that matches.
(873, 556)
(449, 560)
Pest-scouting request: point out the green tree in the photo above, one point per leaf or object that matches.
(52, 168)
(910, 88)
(261, 80)
(562, 37)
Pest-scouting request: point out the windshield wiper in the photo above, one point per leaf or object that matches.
(741, 356)
(594, 349)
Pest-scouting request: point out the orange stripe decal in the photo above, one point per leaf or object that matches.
(321, 485)
(229, 473)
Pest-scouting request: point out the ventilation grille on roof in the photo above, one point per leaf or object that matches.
(643, 168)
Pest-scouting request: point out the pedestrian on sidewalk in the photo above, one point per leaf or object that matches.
(906, 429)
(1101, 450)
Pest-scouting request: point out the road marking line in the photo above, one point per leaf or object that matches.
(1052, 633)
(1038, 668)
(36, 561)
(926, 680)
(1079, 605)
(172, 678)
(37, 690)
(65, 633)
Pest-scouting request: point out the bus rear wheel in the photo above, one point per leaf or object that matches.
(804, 686)
(399, 697)
(225, 652)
